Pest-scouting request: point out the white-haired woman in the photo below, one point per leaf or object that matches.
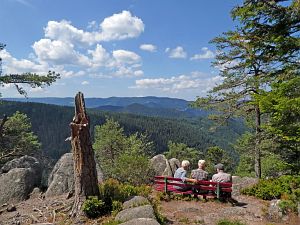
(200, 173)
(181, 173)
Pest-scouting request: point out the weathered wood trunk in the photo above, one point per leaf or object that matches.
(3, 121)
(257, 159)
(86, 182)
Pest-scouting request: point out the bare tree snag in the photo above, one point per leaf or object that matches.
(86, 182)
(3, 121)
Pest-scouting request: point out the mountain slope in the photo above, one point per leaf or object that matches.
(51, 124)
(150, 101)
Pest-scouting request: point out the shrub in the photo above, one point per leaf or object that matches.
(112, 190)
(134, 168)
(229, 222)
(287, 188)
(116, 207)
(274, 188)
(93, 207)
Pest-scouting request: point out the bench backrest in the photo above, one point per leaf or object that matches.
(169, 184)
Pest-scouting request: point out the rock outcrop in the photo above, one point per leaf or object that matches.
(17, 184)
(174, 165)
(164, 167)
(23, 162)
(240, 183)
(139, 221)
(159, 164)
(18, 178)
(135, 201)
(137, 210)
(61, 179)
(275, 213)
(145, 211)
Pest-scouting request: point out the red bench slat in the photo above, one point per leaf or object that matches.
(160, 185)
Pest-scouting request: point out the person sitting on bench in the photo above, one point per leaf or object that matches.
(200, 173)
(221, 176)
(181, 173)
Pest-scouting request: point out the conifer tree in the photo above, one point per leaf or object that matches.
(263, 49)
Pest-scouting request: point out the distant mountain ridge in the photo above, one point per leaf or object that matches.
(147, 106)
(149, 101)
(144, 110)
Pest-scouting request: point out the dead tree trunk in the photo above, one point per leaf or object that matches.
(257, 158)
(86, 182)
(3, 121)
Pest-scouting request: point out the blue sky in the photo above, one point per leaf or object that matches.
(114, 47)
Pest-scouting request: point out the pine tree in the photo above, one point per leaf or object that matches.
(16, 138)
(263, 49)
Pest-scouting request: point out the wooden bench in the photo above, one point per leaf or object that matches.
(205, 188)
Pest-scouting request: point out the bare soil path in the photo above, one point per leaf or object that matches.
(250, 211)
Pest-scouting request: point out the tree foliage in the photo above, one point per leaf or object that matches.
(181, 152)
(263, 49)
(215, 155)
(32, 79)
(125, 158)
(16, 138)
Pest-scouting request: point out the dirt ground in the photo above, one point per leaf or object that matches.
(249, 210)
(55, 210)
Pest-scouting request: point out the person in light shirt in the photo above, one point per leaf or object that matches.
(200, 173)
(221, 176)
(181, 173)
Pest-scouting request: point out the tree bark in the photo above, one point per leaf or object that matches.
(86, 182)
(3, 121)
(257, 159)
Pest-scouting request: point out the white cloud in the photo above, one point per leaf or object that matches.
(119, 26)
(72, 52)
(92, 25)
(100, 57)
(37, 90)
(176, 53)
(24, 2)
(127, 72)
(7, 86)
(206, 54)
(58, 53)
(126, 57)
(85, 82)
(175, 84)
(12, 65)
(148, 47)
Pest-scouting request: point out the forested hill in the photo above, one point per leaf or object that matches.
(147, 106)
(150, 101)
(51, 124)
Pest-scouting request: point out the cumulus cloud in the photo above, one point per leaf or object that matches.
(72, 52)
(85, 82)
(11, 65)
(127, 72)
(148, 47)
(126, 57)
(119, 26)
(59, 53)
(176, 53)
(100, 57)
(206, 54)
(175, 84)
